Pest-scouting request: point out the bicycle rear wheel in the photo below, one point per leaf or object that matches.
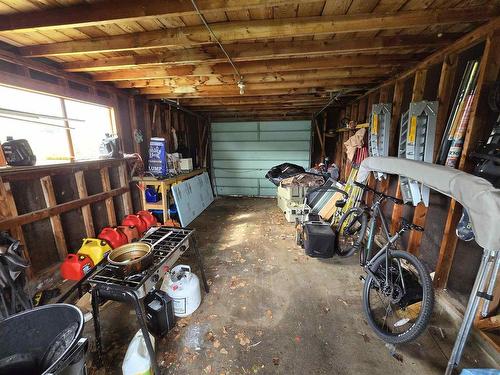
(400, 310)
(351, 231)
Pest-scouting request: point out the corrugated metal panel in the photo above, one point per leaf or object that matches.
(242, 153)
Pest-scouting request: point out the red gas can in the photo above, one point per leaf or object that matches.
(136, 221)
(131, 232)
(113, 236)
(148, 217)
(75, 266)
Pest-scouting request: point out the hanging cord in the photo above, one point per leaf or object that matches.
(241, 83)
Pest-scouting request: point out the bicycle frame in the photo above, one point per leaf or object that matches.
(375, 212)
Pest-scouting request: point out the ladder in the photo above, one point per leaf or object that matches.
(416, 142)
(378, 137)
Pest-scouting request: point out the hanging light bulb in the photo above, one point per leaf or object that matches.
(241, 85)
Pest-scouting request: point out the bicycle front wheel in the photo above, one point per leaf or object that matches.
(351, 231)
(399, 307)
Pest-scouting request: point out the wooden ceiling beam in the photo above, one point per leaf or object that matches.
(254, 88)
(230, 93)
(378, 73)
(228, 32)
(245, 68)
(112, 11)
(275, 50)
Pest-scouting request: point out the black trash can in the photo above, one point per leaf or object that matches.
(45, 340)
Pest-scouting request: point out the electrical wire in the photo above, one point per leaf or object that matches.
(238, 74)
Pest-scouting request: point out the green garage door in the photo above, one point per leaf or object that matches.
(242, 153)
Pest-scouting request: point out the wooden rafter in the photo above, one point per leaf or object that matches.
(228, 32)
(112, 11)
(275, 50)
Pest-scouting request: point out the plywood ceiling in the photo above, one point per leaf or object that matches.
(292, 54)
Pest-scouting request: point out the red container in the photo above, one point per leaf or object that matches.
(113, 236)
(136, 221)
(148, 218)
(75, 266)
(130, 232)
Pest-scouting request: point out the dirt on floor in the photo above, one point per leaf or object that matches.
(273, 310)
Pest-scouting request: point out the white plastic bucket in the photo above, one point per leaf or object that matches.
(183, 287)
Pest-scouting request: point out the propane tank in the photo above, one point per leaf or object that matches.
(148, 218)
(183, 287)
(137, 361)
(113, 236)
(136, 221)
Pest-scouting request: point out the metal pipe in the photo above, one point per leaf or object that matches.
(472, 306)
(36, 115)
(35, 122)
(491, 286)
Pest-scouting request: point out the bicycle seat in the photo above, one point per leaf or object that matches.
(405, 224)
(379, 193)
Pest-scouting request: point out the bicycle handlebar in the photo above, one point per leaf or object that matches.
(385, 196)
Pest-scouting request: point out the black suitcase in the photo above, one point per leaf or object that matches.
(319, 240)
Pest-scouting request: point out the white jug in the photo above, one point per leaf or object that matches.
(137, 361)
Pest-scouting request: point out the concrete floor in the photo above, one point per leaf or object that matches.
(273, 310)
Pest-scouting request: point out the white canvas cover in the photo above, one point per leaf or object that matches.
(475, 194)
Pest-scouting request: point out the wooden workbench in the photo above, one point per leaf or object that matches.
(164, 188)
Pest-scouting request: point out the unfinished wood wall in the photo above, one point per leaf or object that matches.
(454, 262)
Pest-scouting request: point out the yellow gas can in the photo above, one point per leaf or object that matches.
(94, 248)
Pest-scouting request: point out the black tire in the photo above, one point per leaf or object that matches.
(351, 231)
(426, 301)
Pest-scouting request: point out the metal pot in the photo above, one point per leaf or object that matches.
(131, 258)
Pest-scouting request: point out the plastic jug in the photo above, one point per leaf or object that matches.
(113, 236)
(95, 249)
(148, 218)
(137, 361)
(75, 267)
(136, 221)
(131, 232)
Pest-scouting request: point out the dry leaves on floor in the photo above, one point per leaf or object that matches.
(243, 340)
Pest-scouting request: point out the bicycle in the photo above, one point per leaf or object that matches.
(395, 278)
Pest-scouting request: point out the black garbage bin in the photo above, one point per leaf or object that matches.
(45, 340)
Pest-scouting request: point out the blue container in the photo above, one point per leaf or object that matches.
(478, 371)
(158, 157)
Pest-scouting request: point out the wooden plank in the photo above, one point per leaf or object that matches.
(268, 75)
(320, 138)
(86, 210)
(255, 88)
(228, 32)
(106, 187)
(55, 220)
(488, 72)
(8, 210)
(124, 182)
(113, 11)
(417, 95)
(398, 45)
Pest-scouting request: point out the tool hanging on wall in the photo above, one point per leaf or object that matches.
(452, 141)
(416, 142)
(378, 137)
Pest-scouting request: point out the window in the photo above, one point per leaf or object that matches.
(57, 129)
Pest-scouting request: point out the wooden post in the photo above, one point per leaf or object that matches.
(8, 209)
(384, 94)
(55, 221)
(86, 211)
(133, 124)
(320, 138)
(106, 186)
(124, 181)
(488, 72)
(417, 95)
(362, 111)
(68, 130)
(323, 137)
